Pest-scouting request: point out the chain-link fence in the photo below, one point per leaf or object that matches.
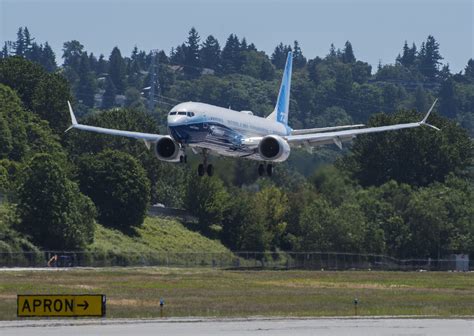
(235, 260)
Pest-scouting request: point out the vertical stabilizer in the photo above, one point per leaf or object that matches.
(280, 113)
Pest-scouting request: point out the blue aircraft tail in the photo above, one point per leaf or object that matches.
(280, 113)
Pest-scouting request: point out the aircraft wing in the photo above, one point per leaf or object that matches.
(147, 137)
(340, 136)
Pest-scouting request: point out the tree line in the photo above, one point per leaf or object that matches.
(405, 194)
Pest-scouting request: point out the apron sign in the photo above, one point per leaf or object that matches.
(60, 305)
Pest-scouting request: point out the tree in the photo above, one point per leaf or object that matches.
(421, 102)
(21, 75)
(242, 227)
(117, 70)
(192, 62)
(417, 156)
(72, 51)
(48, 58)
(210, 53)
(108, 99)
(272, 204)
(23, 134)
(85, 89)
(408, 58)
(299, 61)
(279, 55)
(257, 65)
(429, 58)
(20, 43)
(469, 70)
(49, 101)
(118, 186)
(207, 199)
(51, 209)
(448, 105)
(348, 53)
(101, 65)
(230, 57)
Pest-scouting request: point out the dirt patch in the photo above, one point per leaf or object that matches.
(132, 302)
(322, 284)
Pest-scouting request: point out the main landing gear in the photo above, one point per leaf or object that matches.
(262, 169)
(205, 168)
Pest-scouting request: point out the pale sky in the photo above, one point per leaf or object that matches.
(377, 29)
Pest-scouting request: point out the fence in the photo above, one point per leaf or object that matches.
(235, 260)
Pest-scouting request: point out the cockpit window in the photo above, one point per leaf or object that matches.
(172, 113)
(190, 114)
(182, 113)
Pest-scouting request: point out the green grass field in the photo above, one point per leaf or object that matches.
(135, 292)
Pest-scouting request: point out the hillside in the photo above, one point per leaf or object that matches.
(155, 242)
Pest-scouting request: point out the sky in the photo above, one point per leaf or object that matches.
(377, 29)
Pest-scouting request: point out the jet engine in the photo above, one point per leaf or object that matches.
(274, 148)
(166, 149)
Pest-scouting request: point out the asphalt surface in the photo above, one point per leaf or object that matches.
(274, 326)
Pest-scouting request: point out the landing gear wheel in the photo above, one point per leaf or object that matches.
(210, 170)
(201, 169)
(269, 169)
(261, 169)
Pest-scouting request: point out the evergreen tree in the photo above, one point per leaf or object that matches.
(108, 99)
(243, 44)
(35, 53)
(210, 53)
(251, 47)
(469, 70)
(279, 55)
(332, 51)
(85, 89)
(117, 70)
(20, 43)
(348, 53)
(408, 58)
(192, 62)
(299, 61)
(28, 42)
(92, 62)
(178, 55)
(101, 65)
(48, 58)
(421, 102)
(231, 61)
(448, 105)
(429, 58)
(5, 51)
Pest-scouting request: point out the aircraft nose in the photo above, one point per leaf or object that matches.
(176, 119)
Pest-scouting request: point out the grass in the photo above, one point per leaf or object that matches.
(135, 292)
(155, 235)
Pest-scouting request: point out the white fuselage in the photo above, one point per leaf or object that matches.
(223, 131)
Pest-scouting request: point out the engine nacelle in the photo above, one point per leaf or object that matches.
(166, 149)
(274, 148)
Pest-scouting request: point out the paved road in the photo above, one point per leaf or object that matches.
(274, 327)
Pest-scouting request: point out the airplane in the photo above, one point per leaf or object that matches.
(212, 130)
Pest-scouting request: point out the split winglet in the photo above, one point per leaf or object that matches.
(423, 122)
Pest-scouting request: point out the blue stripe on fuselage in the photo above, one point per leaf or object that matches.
(206, 132)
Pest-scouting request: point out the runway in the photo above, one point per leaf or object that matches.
(257, 326)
